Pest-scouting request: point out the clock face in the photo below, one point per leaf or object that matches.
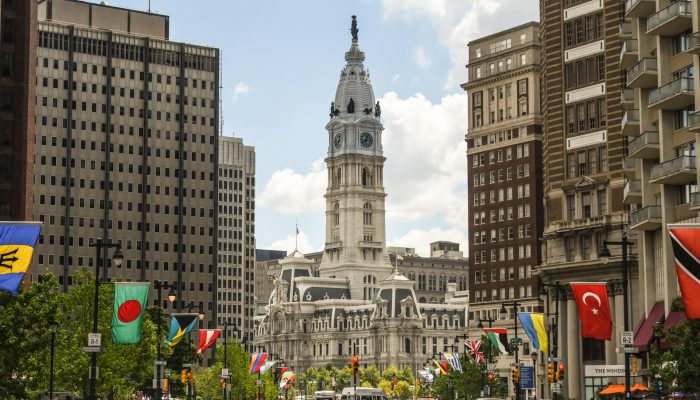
(338, 140)
(366, 139)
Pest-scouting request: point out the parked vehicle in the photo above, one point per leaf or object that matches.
(363, 393)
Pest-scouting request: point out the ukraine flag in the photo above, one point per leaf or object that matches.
(17, 241)
(533, 323)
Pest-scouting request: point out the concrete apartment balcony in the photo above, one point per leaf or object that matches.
(639, 8)
(644, 146)
(646, 219)
(629, 53)
(632, 192)
(643, 74)
(625, 29)
(627, 98)
(695, 201)
(692, 43)
(628, 167)
(630, 122)
(580, 224)
(670, 21)
(678, 171)
(694, 122)
(673, 95)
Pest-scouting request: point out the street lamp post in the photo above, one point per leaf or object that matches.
(117, 258)
(485, 384)
(159, 286)
(604, 255)
(516, 306)
(559, 293)
(53, 326)
(227, 323)
(534, 375)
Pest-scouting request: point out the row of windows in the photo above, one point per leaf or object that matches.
(499, 137)
(121, 148)
(521, 171)
(585, 204)
(441, 284)
(523, 292)
(584, 72)
(502, 254)
(587, 162)
(586, 116)
(49, 259)
(583, 30)
(502, 194)
(499, 66)
(503, 274)
(502, 214)
(500, 155)
(506, 233)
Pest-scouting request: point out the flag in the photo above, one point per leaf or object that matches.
(206, 338)
(499, 338)
(257, 360)
(441, 367)
(593, 309)
(453, 359)
(177, 332)
(685, 239)
(267, 365)
(17, 243)
(287, 378)
(474, 350)
(533, 323)
(130, 300)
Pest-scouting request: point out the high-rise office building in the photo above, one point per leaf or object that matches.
(126, 148)
(17, 75)
(235, 297)
(583, 175)
(504, 155)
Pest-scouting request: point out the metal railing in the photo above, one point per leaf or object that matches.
(629, 4)
(679, 8)
(695, 199)
(692, 40)
(645, 214)
(677, 164)
(645, 139)
(644, 65)
(680, 85)
(694, 119)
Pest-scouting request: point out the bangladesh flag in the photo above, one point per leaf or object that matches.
(130, 300)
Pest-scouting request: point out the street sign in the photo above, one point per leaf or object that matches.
(490, 367)
(555, 387)
(527, 377)
(94, 339)
(626, 338)
(224, 372)
(92, 349)
(631, 350)
(516, 340)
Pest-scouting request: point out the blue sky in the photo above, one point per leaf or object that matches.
(281, 63)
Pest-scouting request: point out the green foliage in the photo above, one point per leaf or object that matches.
(678, 366)
(458, 383)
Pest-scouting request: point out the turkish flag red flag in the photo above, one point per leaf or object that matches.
(593, 309)
(685, 239)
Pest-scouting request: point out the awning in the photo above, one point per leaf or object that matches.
(646, 331)
(674, 318)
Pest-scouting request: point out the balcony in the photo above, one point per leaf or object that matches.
(639, 8)
(678, 171)
(695, 201)
(673, 95)
(626, 29)
(629, 53)
(628, 167)
(646, 219)
(627, 97)
(670, 21)
(644, 146)
(692, 43)
(694, 122)
(630, 122)
(643, 74)
(632, 192)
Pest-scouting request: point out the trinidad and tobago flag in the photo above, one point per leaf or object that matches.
(685, 239)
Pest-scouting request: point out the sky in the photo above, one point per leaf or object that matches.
(281, 64)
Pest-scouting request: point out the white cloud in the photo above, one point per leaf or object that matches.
(413, 9)
(421, 239)
(421, 57)
(301, 241)
(290, 192)
(241, 88)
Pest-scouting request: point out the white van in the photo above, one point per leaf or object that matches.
(324, 395)
(363, 393)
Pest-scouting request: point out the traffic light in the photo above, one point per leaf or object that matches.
(490, 378)
(166, 383)
(550, 372)
(190, 378)
(634, 368)
(560, 372)
(183, 376)
(516, 376)
(354, 364)
(222, 383)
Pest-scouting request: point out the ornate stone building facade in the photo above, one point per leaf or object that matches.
(355, 302)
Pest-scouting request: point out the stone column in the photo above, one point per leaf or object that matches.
(573, 351)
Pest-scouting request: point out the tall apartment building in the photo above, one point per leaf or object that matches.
(17, 75)
(235, 297)
(126, 148)
(660, 47)
(504, 154)
(583, 151)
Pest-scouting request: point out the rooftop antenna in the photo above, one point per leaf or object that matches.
(296, 237)
(221, 90)
(149, 6)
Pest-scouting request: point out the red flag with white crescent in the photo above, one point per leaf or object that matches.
(593, 309)
(206, 338)
(685, 239)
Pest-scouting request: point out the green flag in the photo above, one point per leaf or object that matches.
(130, 300)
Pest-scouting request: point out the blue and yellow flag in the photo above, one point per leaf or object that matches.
(534, 327)
(17, 243)
(180, 325)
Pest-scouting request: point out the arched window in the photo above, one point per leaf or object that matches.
(367, 214)
(366, 177)
(336, 214)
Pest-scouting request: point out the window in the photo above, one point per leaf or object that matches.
(585, 247)
(586, 204)
(523, 38)
(367, 214)
(523, 59)
(602, 202)
(593, 349)
(570, 207)
(570, 248)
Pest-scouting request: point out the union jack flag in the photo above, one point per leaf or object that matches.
(474, 350)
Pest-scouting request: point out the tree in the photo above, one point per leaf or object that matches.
(453, 383)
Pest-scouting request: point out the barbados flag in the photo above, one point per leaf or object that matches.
(533, 323)
(17, 241)
(180, 325)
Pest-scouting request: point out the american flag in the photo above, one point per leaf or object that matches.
(474, 350)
